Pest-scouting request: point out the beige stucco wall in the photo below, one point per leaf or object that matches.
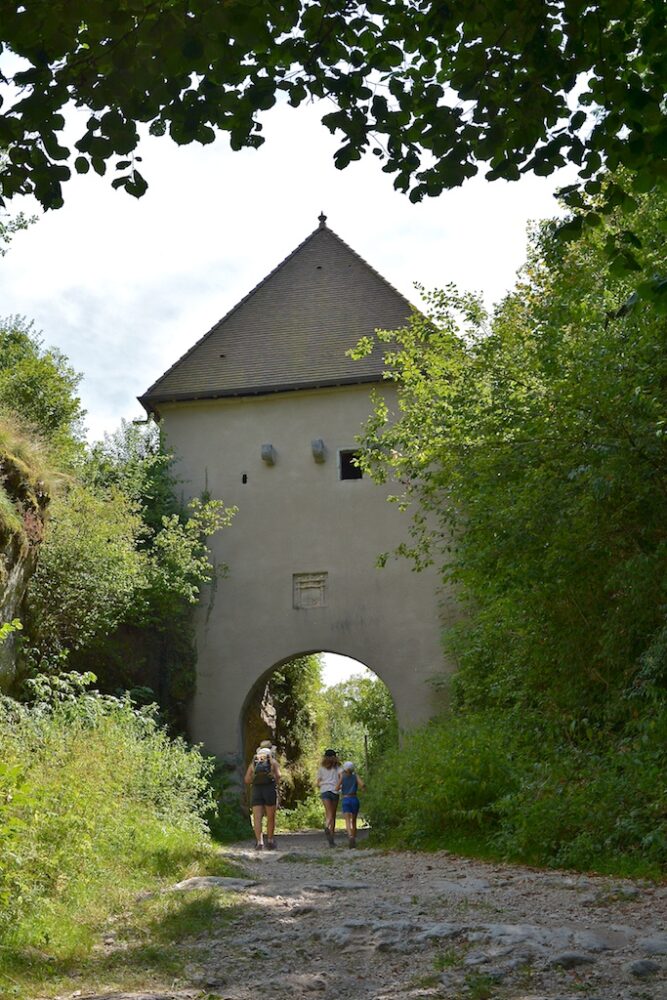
(297, 516)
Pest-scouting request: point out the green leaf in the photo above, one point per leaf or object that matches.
(570, 230)
(136, 185)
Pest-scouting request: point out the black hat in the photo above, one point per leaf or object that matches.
(330, 753)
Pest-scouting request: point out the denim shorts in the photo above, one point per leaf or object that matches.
(330, 796)
(350, 804)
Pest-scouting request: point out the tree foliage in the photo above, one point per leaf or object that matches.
(532, 446)
(121, 565)
(39, 386)
(10, 224)
(342, 732)
(89, 570)
(294, 690)
(434, 90)
(134, 460)
(534, 449)
(361, 719)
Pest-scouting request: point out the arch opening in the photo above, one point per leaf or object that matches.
(310, 702)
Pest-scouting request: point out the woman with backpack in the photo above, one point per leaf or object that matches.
(328, 774)
(263, 775)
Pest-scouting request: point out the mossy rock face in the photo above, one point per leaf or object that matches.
(24, 498)
(11, 521)
(259, 715)
(22, 484)
(18, 560)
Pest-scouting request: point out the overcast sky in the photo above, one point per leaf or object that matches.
(124, 287)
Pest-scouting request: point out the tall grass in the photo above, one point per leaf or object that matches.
(96, 802)
(483, 783)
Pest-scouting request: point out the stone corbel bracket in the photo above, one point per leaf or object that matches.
(268, 454)
(319, 450)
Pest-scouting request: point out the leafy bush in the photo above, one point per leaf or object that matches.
(601, 806)
(526, 793)
(226, 818)
(95, 801)
(447, 776)
(26, 480)
(306, 815)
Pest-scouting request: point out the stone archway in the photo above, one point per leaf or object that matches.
(258, 717)
(295, 707)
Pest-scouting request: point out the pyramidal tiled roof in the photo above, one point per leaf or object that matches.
(292, 330)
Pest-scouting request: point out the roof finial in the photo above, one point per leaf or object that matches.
(323, 220)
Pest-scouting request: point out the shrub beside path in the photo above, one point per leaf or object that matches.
(371, 925)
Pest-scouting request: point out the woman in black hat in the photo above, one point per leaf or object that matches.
(328, 774)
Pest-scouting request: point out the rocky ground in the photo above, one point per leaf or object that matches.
(369, 925)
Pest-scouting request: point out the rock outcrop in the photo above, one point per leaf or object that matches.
(24, 498)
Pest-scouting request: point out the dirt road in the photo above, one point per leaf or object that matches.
(308, 920)
(362, 924)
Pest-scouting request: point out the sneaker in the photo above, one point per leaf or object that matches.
(259, 847)
(330, 837)
(271, 845)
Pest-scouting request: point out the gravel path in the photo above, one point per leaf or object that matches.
(369, 925)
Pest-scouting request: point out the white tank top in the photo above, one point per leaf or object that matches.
(328, 778)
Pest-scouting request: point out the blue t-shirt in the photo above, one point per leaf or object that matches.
(350, 784)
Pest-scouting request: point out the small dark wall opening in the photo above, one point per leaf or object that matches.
(348, 468)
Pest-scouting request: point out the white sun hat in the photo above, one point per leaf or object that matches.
(348, 766)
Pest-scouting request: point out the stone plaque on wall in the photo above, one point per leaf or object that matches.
(309, 590)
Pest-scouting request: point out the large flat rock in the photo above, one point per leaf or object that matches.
(212, 882)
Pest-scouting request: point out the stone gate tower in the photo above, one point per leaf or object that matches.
(263, 412)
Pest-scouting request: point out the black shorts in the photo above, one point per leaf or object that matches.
(264, 795)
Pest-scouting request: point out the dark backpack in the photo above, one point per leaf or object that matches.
(263, 770)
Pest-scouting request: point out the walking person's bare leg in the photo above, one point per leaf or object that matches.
(334, 807)
(270, 822)
(330, 819)
(257, 814)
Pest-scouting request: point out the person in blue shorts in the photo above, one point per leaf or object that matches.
(349, 785)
